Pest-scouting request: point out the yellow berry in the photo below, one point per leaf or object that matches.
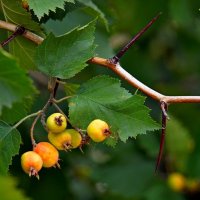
(177, 181)
(62, 141)
(56, 123)
(98, 130)
(76, 138)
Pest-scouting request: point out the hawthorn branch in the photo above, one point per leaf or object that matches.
(116, 68)
(27, 34)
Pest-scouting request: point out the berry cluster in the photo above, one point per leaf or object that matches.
(179, 183)
(46, 154)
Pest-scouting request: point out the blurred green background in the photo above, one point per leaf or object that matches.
(167, 59)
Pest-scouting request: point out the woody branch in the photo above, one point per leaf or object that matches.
(116, 68)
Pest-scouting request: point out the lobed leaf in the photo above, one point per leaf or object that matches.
(66, 55)
(103, 98)
(41, 8)
(9, 145)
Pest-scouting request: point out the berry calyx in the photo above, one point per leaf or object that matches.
(31, 163)
(56, 123)
(98, 130)
(62, 141)
(177, 181)
(48, 153)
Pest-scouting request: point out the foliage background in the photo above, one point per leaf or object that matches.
(167, 59)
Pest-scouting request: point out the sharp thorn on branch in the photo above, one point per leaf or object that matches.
(164, 108)
(20, 30)
(115, 59)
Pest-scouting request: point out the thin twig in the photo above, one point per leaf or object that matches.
(32, 130)
(60, 110)
(36, 119)
(25, 118)
(61, 100)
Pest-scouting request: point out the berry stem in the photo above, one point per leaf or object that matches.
(37, 117)
(58, 108)
(115, 59)
(25, 118)
(61, 100)
(32, 129)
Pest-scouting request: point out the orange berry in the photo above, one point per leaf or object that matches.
(98, 130)
(31, 163)
(48, 153)
(56, 123)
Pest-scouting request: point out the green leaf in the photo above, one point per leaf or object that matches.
(22, 48)
(14, 13)
(9, 145)
(93, 9)
(43, 7)
(17, 111)
(177, 134)
(14, 84)
(103, 98)
(71, 88)
(65, 56)
(9, 189)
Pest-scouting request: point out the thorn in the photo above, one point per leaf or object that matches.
(37, 176)
(81, 149)
(164, 108)
(115, 59)
(58, 165)
(20, 30)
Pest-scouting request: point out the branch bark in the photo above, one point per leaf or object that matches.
(116, 68)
